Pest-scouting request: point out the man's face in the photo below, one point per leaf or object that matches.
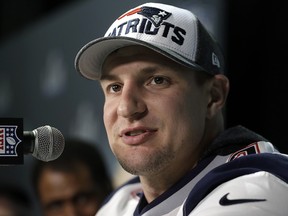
(68, 193)
(154, 112)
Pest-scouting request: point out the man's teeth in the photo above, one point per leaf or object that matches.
(135, 133)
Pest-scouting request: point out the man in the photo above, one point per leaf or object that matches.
(14, 201)
(163, 79)
(75, 184)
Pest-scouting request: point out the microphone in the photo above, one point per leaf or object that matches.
(45, 143)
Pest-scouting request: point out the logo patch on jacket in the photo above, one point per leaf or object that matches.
(250, 149)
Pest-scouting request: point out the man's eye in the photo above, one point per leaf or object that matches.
(158, 80)
(114, 88)
(55, 206)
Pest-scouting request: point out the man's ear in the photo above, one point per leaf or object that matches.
(218, 94)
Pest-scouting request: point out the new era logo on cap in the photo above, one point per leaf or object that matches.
(174, 32)
(215, 60)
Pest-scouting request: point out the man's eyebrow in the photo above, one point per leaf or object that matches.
(145, 71)
(107, 77)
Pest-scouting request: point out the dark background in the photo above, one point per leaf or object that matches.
(16, 15)
(257, 65)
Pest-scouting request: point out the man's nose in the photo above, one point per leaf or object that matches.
(132, 103)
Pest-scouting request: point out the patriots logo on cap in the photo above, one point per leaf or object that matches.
(155, 15)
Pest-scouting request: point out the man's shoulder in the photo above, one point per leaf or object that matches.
(246, 194)
(252, 165)
(123, 200)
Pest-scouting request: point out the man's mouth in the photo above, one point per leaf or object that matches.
(131, 132)
(137, 135)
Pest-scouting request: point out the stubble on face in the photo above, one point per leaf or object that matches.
(147, 164)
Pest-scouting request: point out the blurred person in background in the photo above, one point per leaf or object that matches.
(75, 184)
(14, 201)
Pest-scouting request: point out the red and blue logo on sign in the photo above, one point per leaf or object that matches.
(8, 140)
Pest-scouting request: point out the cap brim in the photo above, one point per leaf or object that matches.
(90, 58)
